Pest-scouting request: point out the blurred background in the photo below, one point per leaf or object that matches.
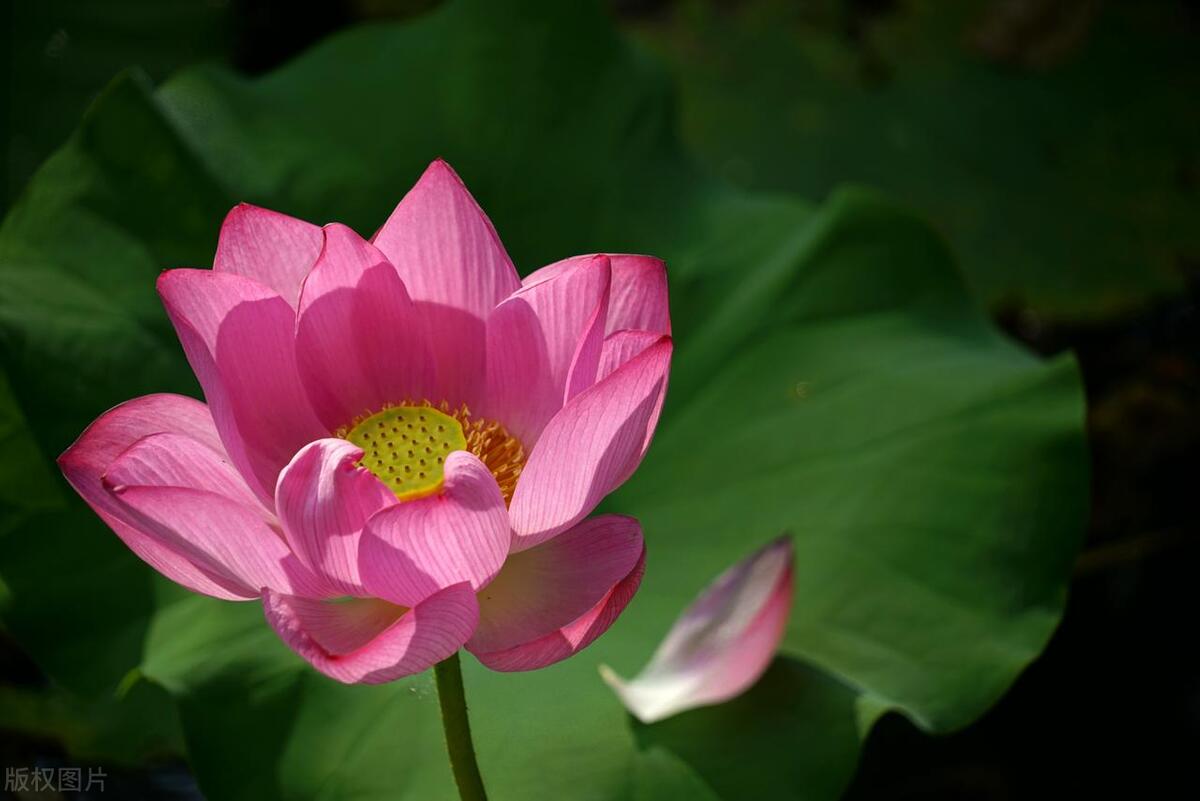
(1056, 146)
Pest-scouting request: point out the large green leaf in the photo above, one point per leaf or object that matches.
(832, 379)
(1057, 151)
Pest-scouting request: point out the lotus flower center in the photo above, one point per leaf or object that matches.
(406, 447)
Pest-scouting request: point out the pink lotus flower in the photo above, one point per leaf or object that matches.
(721, 644)
(402, 439)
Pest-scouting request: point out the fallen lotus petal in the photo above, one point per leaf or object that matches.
(721, 644)
(402, 439)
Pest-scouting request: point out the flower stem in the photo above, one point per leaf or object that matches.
(453, 701)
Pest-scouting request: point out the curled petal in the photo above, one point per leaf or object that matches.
(543, 589)
(226, 539)
(590, 447)
(238, 337)
(369, 641)
(721, 644)
(456, 271)
(360, 342)
(621, 346)
(639, 295)
(323, 500)
(176, 460)
(543, 345)
(86, 461)
(461, 534)
(573, 637)
(271, 248)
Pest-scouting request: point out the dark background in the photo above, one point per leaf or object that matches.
(1113, 706)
